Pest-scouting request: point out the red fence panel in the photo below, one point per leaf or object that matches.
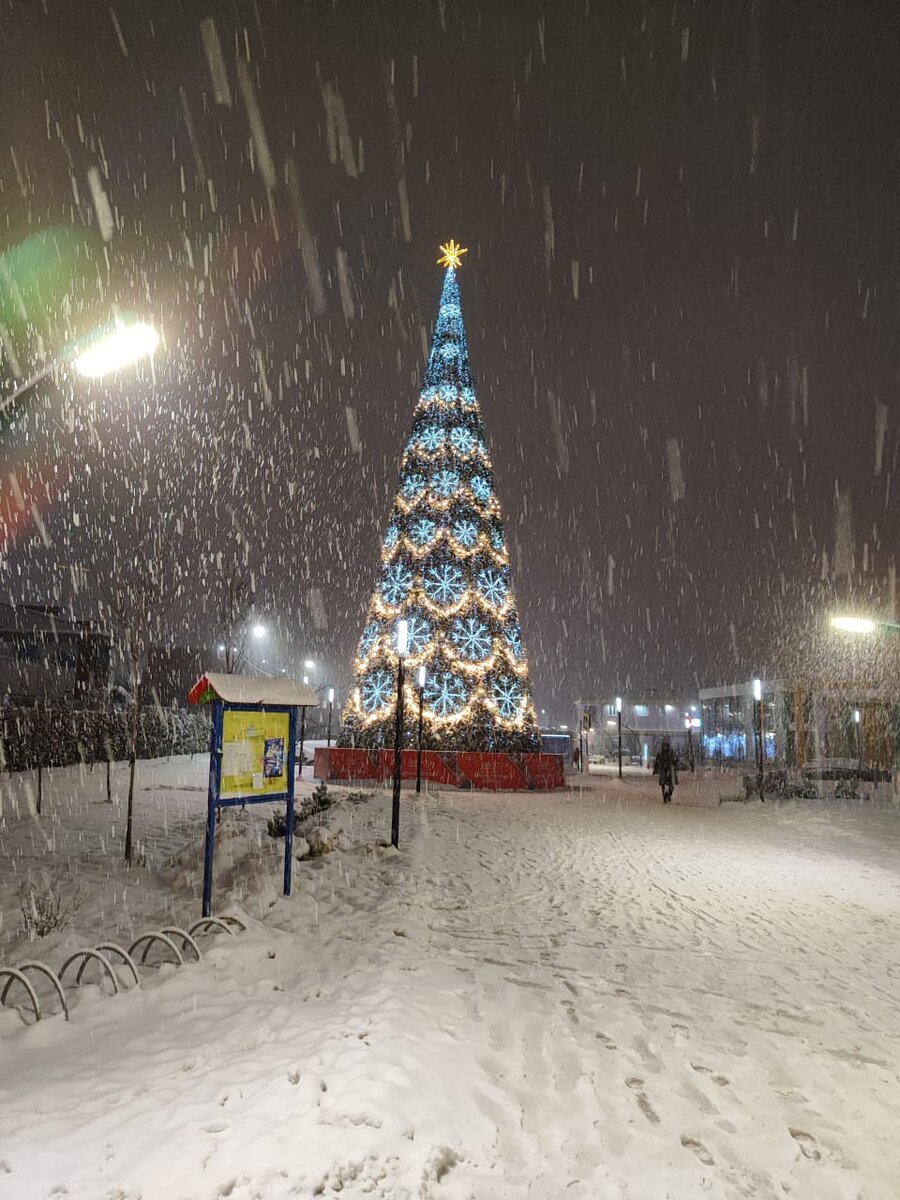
(447, 768)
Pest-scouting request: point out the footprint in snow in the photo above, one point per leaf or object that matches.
(807, 1144)
(699, 1149)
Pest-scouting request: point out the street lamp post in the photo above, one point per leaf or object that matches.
(303, 738)
(619, 723)
(330, 711)
(760, 739)
(857, 721)
(421, 690)
(690, 741)
(402, 643)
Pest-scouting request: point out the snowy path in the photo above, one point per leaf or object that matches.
(580, 995)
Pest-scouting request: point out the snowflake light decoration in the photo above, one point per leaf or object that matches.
(467, 396)
(423, 530)
(413, 485)
(492, 585)
(508, 697)
(497, 538)
(446, 483)
(390, 537)
(377, 688)
(444, 583)
(396, 582)
(445, 694)
(450, 350)
(462, 440)
(369, 638)
(431, 438)
(514, 639)
(448, 393)
(481, 489)
(465, 531)
(472, 638)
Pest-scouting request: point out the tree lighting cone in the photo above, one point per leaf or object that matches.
(445, 569)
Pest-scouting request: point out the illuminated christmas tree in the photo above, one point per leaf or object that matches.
(445, 568)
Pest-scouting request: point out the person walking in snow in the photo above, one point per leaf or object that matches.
(665, 766)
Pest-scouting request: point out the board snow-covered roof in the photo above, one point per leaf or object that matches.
(250, 689)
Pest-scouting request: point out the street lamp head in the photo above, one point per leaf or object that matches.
(402, 637)
(422, 673)
(853, 624)
(259, 632)
(122, 346)
(757, 689)
(306, 679)
(221, 647)
(618, 704)
(856, 716)
(309, 664)
(331, 695)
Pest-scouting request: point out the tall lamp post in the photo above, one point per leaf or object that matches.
(760, 739)
(619, 723)
(330, 711)
(857, 721)
(420, 688)
(402, 645)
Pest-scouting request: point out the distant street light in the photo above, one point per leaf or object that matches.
(402, 647)
(848, 624)
(259, 632)
(420, 681)
(106, 350)
(619, 723)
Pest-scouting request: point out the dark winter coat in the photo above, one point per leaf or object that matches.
(665, 765)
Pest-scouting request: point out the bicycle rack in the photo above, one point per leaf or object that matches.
(173, 932)
(170, 937)
(150, 938)
(23, 979)
(97, 957)
(44, 970)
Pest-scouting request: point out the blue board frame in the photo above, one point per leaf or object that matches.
(214, 802)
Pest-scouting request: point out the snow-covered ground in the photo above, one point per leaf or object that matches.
(580, 994)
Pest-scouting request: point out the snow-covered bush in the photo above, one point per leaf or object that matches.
(47, 906)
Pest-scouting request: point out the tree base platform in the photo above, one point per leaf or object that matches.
(464, 769)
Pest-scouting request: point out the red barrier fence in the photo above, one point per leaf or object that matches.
(449, 768)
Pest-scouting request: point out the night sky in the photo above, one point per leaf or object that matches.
(681, 298)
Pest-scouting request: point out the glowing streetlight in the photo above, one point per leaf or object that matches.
(309, 664)
(106, 350)
(123, 346)
(259, 632)
(853, 624)
(619, 723)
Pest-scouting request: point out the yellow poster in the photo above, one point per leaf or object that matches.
(254, 753)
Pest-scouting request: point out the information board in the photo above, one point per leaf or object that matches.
(254, 753)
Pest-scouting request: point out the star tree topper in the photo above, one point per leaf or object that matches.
(452, 256)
